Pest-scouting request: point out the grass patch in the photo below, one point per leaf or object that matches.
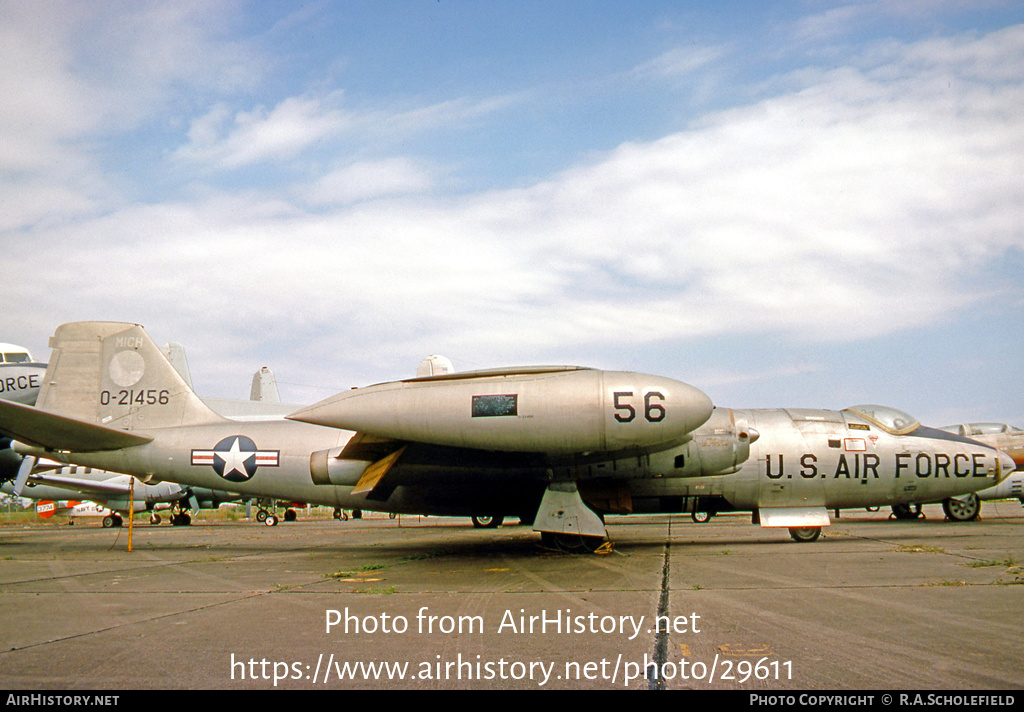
(1008, 563)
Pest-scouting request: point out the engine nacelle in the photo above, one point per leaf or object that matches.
(326, 468)
(719, 447)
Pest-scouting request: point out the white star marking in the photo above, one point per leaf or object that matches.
(234, 459)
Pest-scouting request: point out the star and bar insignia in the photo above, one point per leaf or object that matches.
(236, 458)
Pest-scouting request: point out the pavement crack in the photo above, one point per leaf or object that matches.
(656, 680)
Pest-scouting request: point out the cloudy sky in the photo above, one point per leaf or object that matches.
(785, 204)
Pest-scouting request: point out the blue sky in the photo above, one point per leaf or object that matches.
(785, 204)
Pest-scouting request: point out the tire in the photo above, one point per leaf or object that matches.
(962, 509)
(701, 517)
(572, 543)
(805, 534)
(906, 511)
(488, 522)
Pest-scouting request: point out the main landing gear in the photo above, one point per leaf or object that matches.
(962, 509)
(906, 511)
(573, 543)
(805, 534)
(566, 523)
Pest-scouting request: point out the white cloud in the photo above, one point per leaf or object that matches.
(295, 124)
(369, 179)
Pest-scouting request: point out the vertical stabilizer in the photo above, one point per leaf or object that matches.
(175, 353)
(113, 374)
(264, 387)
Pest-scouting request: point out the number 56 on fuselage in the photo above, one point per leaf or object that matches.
(554, 445)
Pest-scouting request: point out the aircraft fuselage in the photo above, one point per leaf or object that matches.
(749, 459)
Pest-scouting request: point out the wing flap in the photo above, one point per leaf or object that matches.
(370, 483)
(57, 432)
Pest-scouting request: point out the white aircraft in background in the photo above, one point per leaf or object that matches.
(20, 374)
(73, 509)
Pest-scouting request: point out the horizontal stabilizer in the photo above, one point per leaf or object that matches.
(113, 487)
(56, 432)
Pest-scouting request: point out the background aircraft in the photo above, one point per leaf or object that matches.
(117, 493)
(554, 445)
(70, 508)
(20, 374)
(1005, 437)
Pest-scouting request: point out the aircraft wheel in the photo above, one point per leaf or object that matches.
(271, 520)
(289, 515)
(572, 543)
(805, 534)
(261, 515)
(906, 511)
(155, 519)
(701, 517)
(108, 522)
(337, 513)
(962, 509)
(488, 522)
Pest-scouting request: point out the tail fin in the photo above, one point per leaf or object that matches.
(264, 387)
(175, 353)
(112, 374)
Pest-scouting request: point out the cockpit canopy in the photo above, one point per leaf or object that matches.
(9, 353)
(971, 430)
(888, 419)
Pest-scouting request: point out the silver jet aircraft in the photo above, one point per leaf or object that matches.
(558, 446)
(1005, 437)
(117, 493)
